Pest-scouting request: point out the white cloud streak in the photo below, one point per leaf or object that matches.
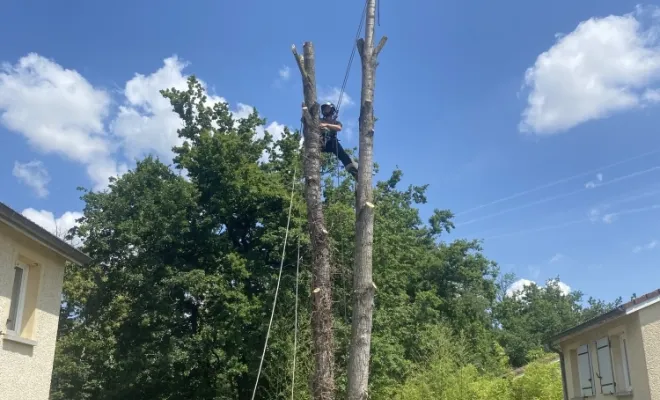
(518, 286)
(648, 246)
(556, 258)
(285, 73)
(57, 226)
(58, 111)
(331, 94)
(34, 175)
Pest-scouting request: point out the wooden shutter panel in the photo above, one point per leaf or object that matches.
(626, 366)
(584, 370)
(605, 371)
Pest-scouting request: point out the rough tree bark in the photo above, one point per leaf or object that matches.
(363, 285)
(323, 385)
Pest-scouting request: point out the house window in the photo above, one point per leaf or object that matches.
(624, 362)
(605, 371)
(17, 299)
(584, 371)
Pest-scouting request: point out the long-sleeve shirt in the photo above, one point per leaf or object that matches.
(328, 131)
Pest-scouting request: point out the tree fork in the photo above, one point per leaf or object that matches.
(323, 385)
(363, 285)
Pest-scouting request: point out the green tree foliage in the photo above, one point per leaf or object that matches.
(177, 302)
(541, 381)
(529, 317)
(450, 377)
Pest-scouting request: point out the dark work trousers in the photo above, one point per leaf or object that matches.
(331, 145)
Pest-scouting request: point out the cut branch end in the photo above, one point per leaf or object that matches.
(360, 47)
(380, 46)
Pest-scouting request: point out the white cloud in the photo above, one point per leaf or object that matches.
(274, 128)
(648, 246)
(285, 73)
(104, 168)
(518, 286)
(565, 289)
(331, 94)
(34, 175)
(146, 123)
(609, 218)
(594, 214)
(606, 65)
(57, 110)
(57, 226)
(592, 184)
(556, 258)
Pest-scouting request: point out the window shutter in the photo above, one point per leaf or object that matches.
(605, 371)
(584, 370)
(14, 305)
(626, 367)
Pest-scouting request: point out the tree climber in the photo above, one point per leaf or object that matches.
(329, 128)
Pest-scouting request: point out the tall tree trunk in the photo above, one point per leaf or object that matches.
(363, 286)
(323, 384)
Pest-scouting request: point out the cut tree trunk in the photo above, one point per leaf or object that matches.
(323, 385)
(363, 285)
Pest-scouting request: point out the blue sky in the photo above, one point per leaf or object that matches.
(483, 101)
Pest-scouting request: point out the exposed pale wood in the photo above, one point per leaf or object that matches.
(380, 46)
(363, 285)
(323, 386)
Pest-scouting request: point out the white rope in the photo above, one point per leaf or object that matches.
(295, 327)
(277, 288)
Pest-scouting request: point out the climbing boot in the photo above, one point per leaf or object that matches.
(352, 169)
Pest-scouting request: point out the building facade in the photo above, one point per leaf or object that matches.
(615, 355)
(32, 263)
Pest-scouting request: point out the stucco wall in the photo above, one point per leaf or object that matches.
(649, 319)
(25, 370)
(630, 324)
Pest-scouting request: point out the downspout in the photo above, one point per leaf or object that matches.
(562, 366)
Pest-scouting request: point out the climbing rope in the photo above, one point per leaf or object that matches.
(350, 59)
(378, 11)
(339, 101)
(277, 288)
(295, 326)
(288, 224)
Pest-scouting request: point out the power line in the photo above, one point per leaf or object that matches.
(557, 182)
(350, 59)
(574, 222)
(541, 229)
(600, 207)
(560, 196)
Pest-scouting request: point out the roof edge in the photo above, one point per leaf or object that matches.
(36, 232)
(602, 318)
(628, 308)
